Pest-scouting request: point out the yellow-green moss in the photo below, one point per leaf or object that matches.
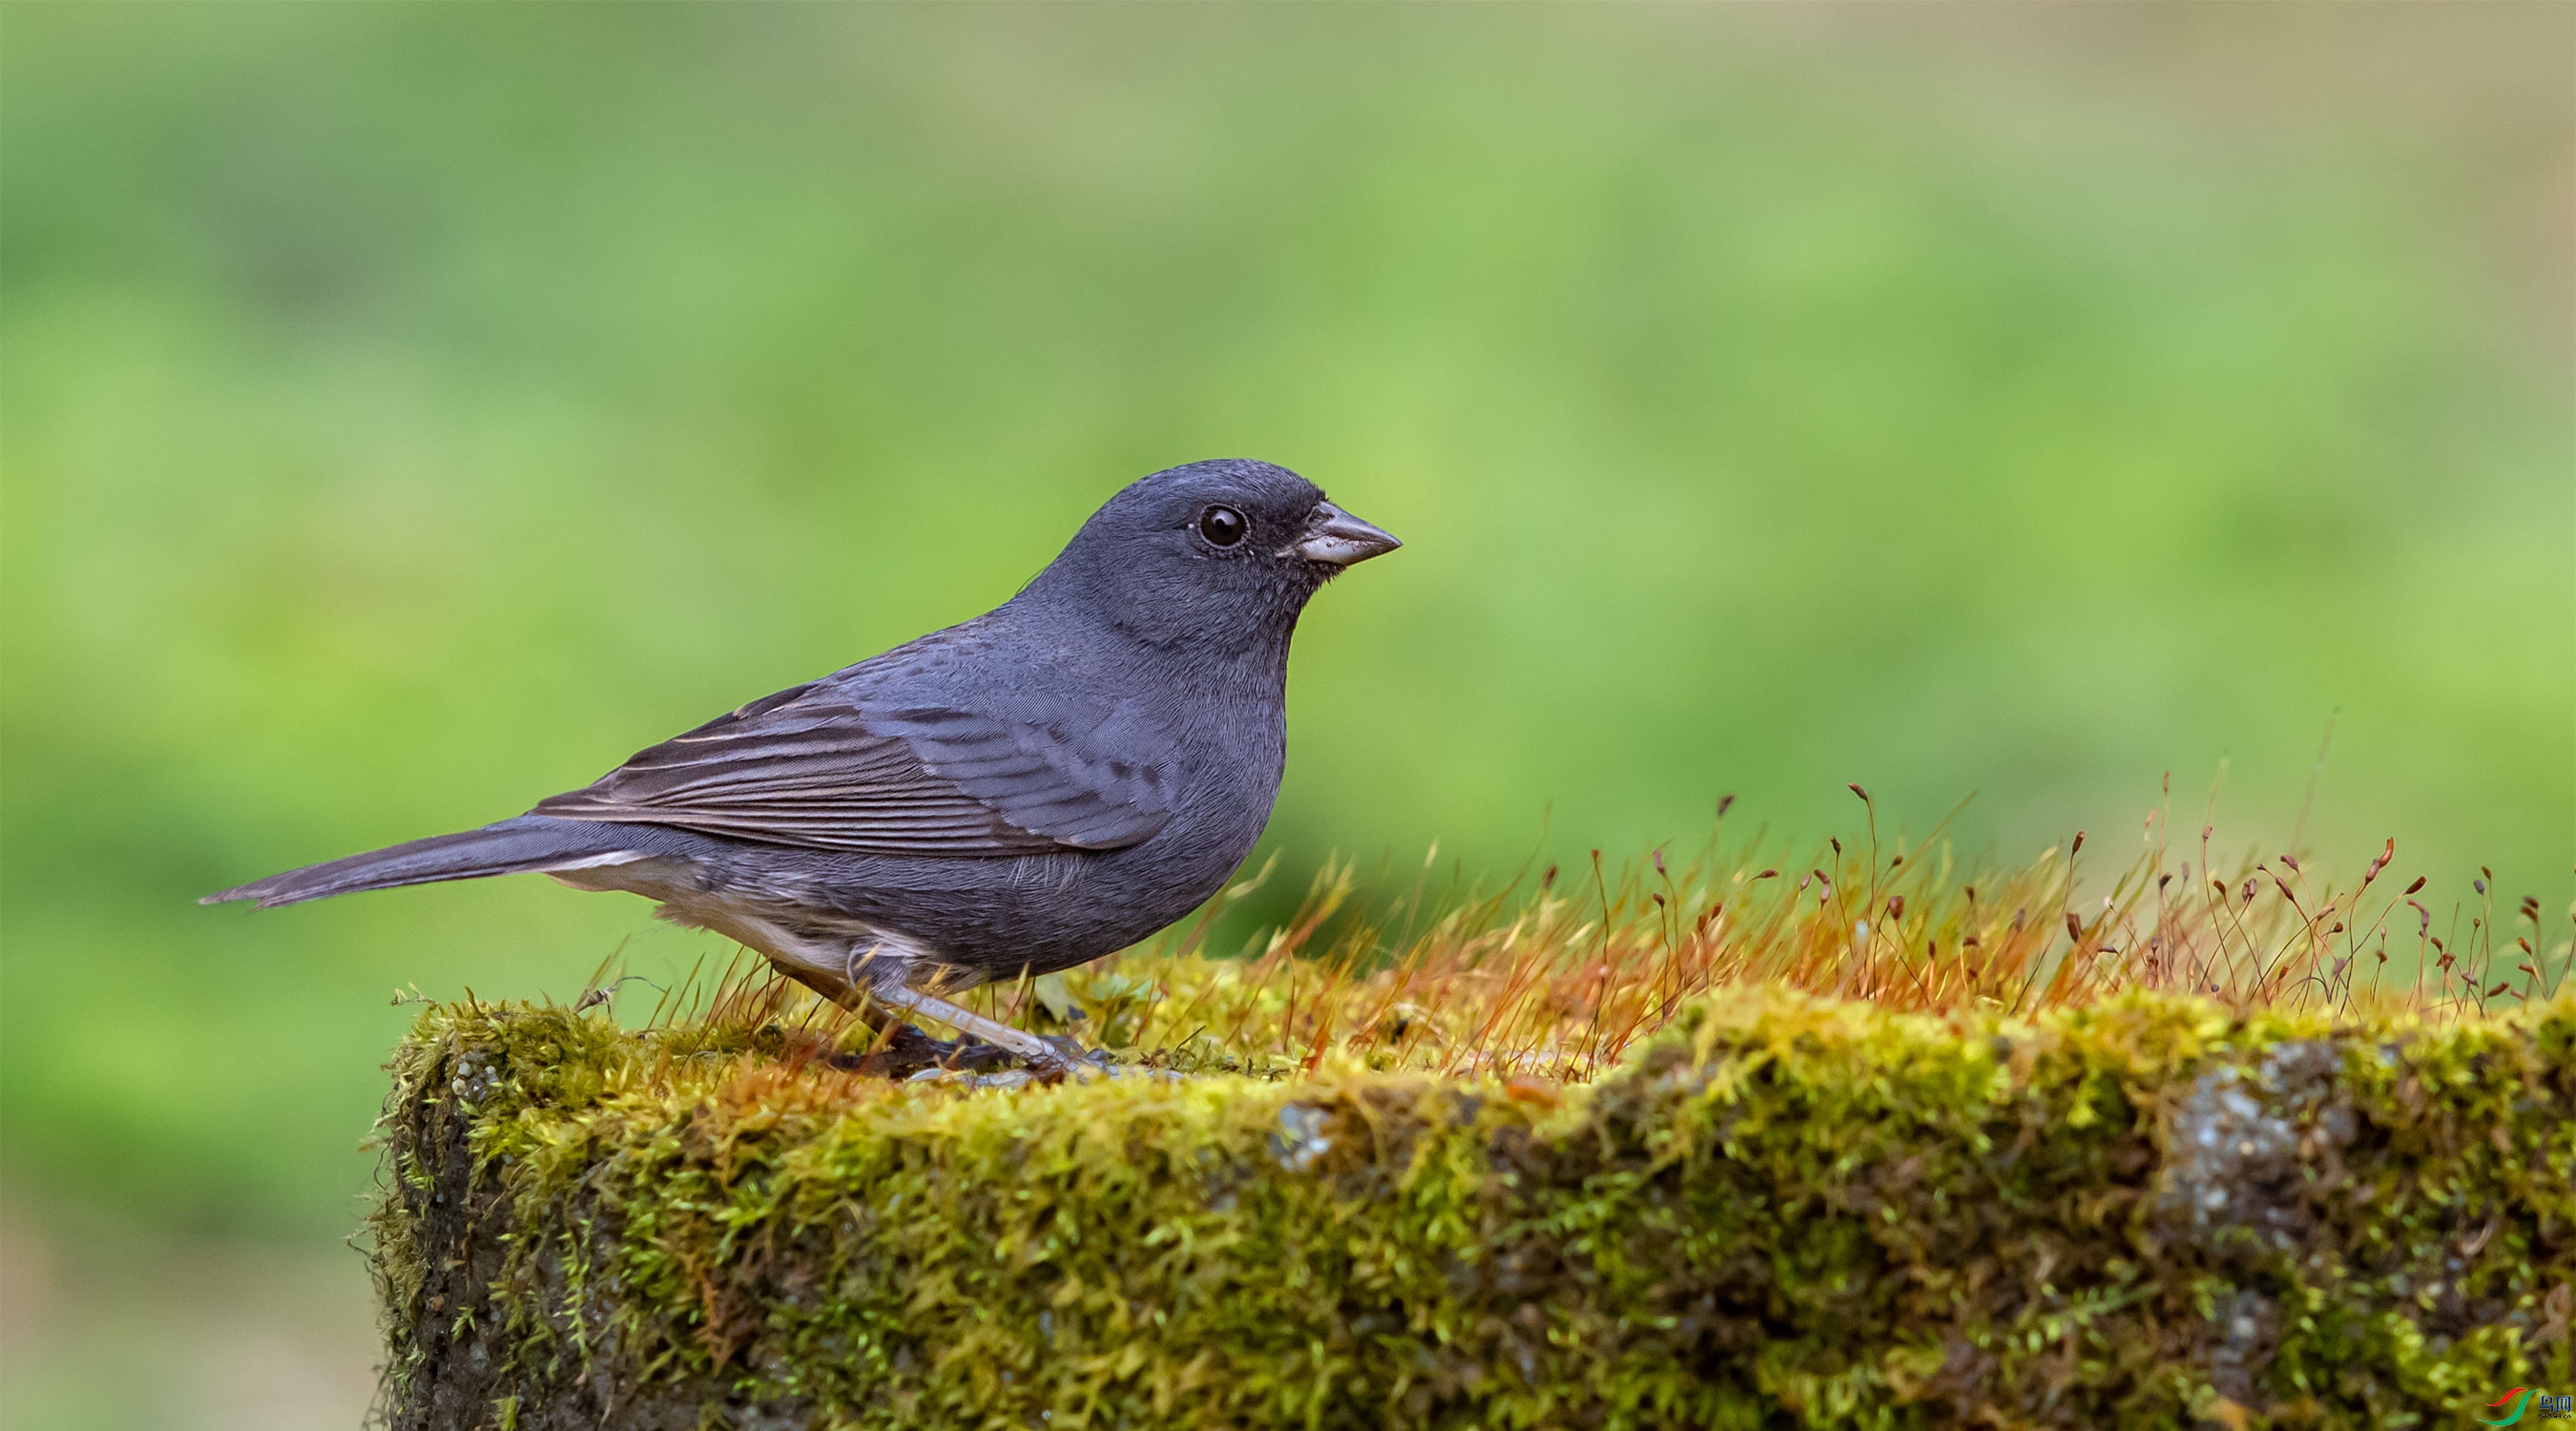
(1782, 1212)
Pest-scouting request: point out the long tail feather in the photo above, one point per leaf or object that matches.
(516, 846)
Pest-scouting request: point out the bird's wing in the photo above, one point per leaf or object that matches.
(814, 767)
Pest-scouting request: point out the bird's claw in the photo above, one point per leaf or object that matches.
(905, 1052)
(1065, 1059)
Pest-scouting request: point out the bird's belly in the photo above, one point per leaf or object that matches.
(994, 918)
(1050, 912)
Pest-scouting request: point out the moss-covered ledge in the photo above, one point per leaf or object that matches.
(1784, 1212)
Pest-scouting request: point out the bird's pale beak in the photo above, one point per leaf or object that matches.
(1336, 538)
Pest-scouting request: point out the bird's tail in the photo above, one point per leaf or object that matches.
(517, 846)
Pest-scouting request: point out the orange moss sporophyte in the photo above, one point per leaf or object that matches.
(1558, 979)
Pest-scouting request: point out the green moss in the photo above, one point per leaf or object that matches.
(1783, 1211)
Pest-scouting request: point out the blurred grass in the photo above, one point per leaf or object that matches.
(407, 411)
(107, 1323)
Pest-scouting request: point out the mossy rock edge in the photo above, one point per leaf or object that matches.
(1784, 1212)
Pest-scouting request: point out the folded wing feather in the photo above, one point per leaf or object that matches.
(811, 767)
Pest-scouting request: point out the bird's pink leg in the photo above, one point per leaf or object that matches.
(1036, 1050)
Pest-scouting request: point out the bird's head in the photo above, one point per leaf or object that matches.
(1222, 553)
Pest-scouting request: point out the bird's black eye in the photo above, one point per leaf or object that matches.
(1222, 526)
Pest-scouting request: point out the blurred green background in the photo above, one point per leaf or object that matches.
(405, 412)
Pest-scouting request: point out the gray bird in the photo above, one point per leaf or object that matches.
(1020, 793)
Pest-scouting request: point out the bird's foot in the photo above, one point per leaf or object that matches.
(973, 1064)
(1065, 1059)
(1048, 1060)
(910, 1053)
(905, 1051)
